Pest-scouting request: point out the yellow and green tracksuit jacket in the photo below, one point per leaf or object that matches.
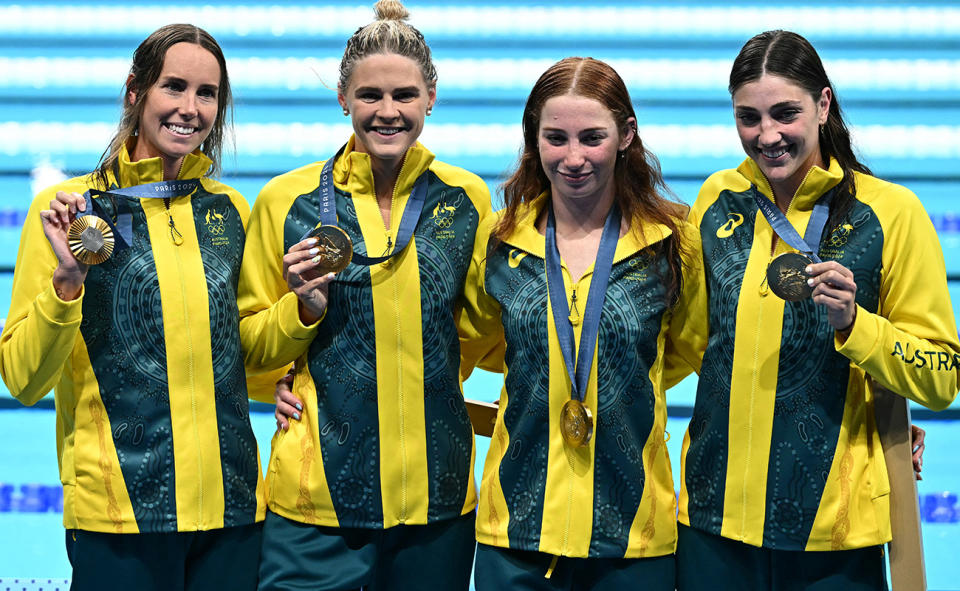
(613, 498)
(153, 433)
(782, 450)
(384, 437)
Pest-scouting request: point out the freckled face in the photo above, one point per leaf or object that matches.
(181, 106)
(779, 127)
(388, 100)
(578, 142)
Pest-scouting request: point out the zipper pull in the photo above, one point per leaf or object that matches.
(574, 313)
(175, 236)
(387, 264)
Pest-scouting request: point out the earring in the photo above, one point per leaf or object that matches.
(346, 111)
(429, 110)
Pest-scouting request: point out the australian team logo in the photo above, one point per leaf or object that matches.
(215, 223)
(638, 269)
(840, 235)
(836, 242)
(444, 213)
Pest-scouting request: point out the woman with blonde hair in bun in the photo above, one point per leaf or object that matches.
(372, 476)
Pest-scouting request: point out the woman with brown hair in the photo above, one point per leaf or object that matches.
(785, 485)
(161, 479)
(583, 278)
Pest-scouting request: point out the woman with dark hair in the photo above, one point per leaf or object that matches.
(582, 279)
(785, 484)
(373, 479)
(124, 302)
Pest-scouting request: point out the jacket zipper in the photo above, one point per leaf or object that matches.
(190, 363)
(396, 302)
(756, 356)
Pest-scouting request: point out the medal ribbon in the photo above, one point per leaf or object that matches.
(123, 226)
(810, 243)
(408, 222)
(580, 375)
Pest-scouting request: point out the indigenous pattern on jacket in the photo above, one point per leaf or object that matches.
(153, 424)
(782, 449)
(385, 438)
(614, 497)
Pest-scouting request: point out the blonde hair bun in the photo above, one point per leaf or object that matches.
(390, 10)
(388, 34)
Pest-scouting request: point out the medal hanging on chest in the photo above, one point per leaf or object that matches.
(334, 244)
(576, 423)
(786, 274)
(576, 420)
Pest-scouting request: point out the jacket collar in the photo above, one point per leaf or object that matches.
(527, 238)
(817, 182)
(353, 169)
(150, 170)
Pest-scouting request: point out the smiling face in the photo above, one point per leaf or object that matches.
(578, 142)
(388, 99)
(180, 108)
(779, 125)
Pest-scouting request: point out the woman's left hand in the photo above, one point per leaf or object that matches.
(834, 287)
(288, 406)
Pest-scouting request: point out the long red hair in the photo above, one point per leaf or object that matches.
(638, 183)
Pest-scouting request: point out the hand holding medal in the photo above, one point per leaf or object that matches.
(334, 249)
(71, 272)
(794, 276)
(89, 237)
(309, 267)
(832, 285)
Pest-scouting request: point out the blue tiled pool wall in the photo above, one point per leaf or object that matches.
(896, 68)
(31, 543)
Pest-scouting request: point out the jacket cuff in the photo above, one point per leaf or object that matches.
(57, 311)
(863, 339)
(290, 324)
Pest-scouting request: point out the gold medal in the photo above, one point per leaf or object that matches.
(787, 277)
(576, 423)
(90, 239)
(336, 248)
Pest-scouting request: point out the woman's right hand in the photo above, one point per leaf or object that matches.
(300, 272)
(288, 405)
(918, 444)
(70, 273)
